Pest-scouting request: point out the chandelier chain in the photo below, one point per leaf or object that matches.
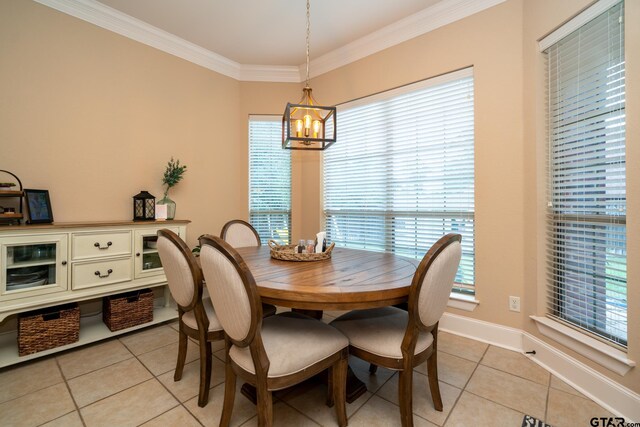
(308, 34)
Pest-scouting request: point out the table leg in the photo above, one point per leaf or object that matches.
(316, 314)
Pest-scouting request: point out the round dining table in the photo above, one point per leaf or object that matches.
(350, 279)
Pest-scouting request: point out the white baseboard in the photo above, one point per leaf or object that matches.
(612, 396)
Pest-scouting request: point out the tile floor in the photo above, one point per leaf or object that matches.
(128, 381)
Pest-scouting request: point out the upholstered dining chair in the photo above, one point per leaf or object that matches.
(196, 316)
(270, 353)
(239, 234)
(401, 340)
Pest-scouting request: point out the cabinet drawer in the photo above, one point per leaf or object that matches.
(100, 273)
(100, 245)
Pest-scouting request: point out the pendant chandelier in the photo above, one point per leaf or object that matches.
(307, 125)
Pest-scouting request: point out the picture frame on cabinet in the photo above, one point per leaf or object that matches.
(38, 206)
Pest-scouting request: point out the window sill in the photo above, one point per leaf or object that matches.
(601, 353)
(462, 302)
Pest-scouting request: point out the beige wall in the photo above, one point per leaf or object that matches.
(93, 117)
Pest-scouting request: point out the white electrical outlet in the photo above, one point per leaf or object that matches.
(514, 304)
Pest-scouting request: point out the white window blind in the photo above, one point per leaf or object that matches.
(401, 173)
(587, 254)
(269, 180)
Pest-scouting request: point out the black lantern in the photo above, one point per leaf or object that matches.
(307, 125)
(144, 206)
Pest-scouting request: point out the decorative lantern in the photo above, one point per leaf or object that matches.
(144, 206)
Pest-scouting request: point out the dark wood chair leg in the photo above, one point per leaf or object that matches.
(182, 355)
(229, 395)
(265, 406)
(432, 372)
(373, 368)
(405, 394)
(330, 386)
(339, 374)
(205, 372)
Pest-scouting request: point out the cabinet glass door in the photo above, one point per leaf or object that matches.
(32, 265)
(150, 256)
(147, 257)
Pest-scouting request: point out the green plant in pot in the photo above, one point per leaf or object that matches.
(172, 176)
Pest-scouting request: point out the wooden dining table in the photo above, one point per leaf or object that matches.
(350, 279)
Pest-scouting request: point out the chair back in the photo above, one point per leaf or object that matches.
(433, 281)
(232, 289)
(181, 268)
(239, 234)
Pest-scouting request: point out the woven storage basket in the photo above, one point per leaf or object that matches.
(48, 328)
(288, 253)
(127, 310)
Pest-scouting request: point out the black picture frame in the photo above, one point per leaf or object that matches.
(38, 206)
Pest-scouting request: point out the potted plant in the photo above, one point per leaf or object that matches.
(172, 176)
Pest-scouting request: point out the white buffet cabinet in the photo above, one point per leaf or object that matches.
(53, 264)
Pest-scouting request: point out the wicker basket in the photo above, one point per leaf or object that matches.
(127, 310)
(288, 253)
(48, 328)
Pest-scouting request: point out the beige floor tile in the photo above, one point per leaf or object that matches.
(23, 379)
(378, 412)
(189, 384)
(472, 410)
(130, 407)
(372, 381)
(177, 416)
(150, 339)
(104, 382)
(175, 324)
(217, 345)
(558, 384)
(312, 403)
(422, 402)
(460, 346)
(72, 419)
(164, 359)
(220, 354)
(451, 369)
(508, 390)
(516, 364)
(567, 410)
(38, 407)
(284, 415)
(93, 357)
(209, 416)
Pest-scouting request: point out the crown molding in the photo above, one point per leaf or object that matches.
(270, 73)
(429, 19)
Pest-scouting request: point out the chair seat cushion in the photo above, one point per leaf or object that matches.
(293, 342)
(189, 318)
(379, 331)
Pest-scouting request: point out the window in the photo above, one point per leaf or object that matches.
(587, 254)
(269, 180)
(401, 173)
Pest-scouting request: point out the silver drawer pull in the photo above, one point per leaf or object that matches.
(102, 276)
(97, 245)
